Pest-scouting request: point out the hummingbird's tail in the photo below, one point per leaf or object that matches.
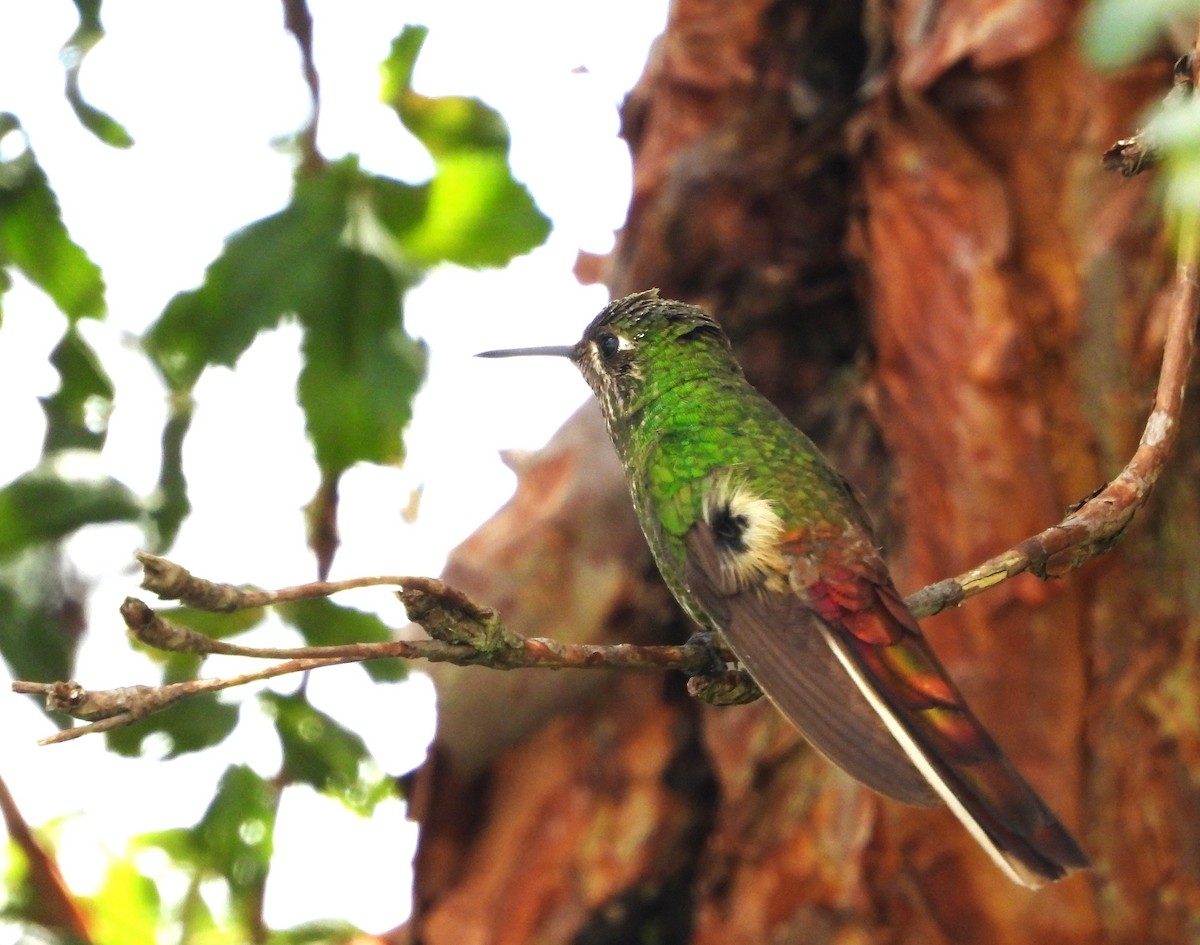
(896, 670)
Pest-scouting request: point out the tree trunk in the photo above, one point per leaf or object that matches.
(899, 215)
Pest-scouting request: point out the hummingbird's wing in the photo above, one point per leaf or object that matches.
(845, 662)
(777, 639)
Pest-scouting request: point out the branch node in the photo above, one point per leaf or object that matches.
(172, 581)
(149, 628)
(449, 616)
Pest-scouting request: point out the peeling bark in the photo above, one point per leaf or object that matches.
(901, 218)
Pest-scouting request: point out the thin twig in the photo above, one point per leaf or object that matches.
(297, 20)
(495, 647)
(53, 904)
(467, 633)
(463, 633)
(172, 581)
(107, 709)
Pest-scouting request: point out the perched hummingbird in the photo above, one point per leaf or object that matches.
(761, 539)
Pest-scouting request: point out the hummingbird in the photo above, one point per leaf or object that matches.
(761, 540)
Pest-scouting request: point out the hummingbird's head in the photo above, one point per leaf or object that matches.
(638, 346)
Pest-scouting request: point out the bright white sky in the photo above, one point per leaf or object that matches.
(203, 90)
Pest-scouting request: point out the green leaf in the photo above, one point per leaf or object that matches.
(235, 836)
(323, 623)
(477, 214)
(127, 908)
(396, 70)
(41, 617)
(326, 931)
(34, 239)
(217, 626)
(266, 271)
(171, 505)
(399, 207)
(39, 507)
(87, 34)
(77, 413)
(473, 212)
(320, 752)
(98, 122)
(360, 369)
(191, 725)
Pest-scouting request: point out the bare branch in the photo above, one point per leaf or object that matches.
(107, 709)
(54, 905)
(172, 581)
(463, 632)
(1130, 156)
(297, 20)
(467, 633)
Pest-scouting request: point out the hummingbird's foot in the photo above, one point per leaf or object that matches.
(733, 687)
(723, 681)
(719, 657)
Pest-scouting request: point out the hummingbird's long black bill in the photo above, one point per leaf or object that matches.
(553, 351)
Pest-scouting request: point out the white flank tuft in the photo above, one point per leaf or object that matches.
(760, 563)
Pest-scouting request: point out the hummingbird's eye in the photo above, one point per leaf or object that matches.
(608, 344)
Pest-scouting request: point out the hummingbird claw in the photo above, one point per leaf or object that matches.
(733, 687)
(719, 656)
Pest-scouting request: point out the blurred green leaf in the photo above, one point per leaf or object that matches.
(127, 908)
(473, 213)
(399, 207)
(396, 70)
(87, 34)
(322, 260)
(331, 931)
(171, 504)
(41, 617)
(77, 413)
(98, 122)
(235, 836)
(1116, 33)
(177, 842)
(320, 752)
(360, 369)
(323, 623)
(38, 507)
(477, 215)
(266, 271)
(191, 725)
(33, 237)
(217, 626)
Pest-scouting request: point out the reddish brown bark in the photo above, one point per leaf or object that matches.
(903, 222)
